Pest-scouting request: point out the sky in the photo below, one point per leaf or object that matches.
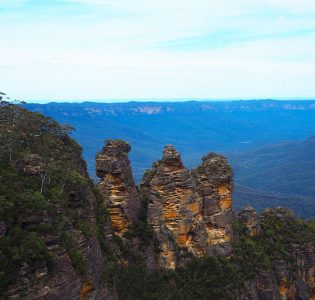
(116, 50)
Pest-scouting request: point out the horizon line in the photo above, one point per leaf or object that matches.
(163, 100)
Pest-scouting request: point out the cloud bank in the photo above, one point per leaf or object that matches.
(123, 49)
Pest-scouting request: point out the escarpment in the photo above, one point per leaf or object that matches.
(49, 247)
(62, 237)
(291, 256)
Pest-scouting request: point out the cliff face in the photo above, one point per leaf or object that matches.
(191, 215)
(61, 238)
(174, 208)
(75, 263)
(189, 211)
(292, 275)
(214, 182)
(117, 185)
(48, 209)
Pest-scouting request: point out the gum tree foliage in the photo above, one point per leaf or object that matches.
(39, 166)
(23, 132)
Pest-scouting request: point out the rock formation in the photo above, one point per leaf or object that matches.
(189, 211)
(174, 208)
(214, 182)
(188, 214)
(289, 279)
(296, 278)
(117, 185)
(59, 278)
(191, 215)
(250, 219)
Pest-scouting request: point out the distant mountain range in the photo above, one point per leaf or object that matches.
(286, 171)
(261, 138)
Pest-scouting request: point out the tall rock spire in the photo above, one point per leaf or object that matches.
(189, 211)
(117, 184)
(214, 183)
(173, 205)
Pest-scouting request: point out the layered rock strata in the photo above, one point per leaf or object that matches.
(189, 210)
(117, 185)
(289, 279)
(214, 183)
(174, 208)
(191, 215)
(59, 278)
(251, 221)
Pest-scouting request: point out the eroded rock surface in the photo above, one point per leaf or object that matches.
(191, 215)
(174, 208)
(295, 278)
(189, 211)
(117, 185)
(291, 278)
(60, 278)
(250, 219)
(214, 182)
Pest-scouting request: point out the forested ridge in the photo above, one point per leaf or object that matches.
(50, 210)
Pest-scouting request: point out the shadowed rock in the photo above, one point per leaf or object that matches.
(250, 219)
(117, 184)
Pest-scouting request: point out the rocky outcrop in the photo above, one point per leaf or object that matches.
(191, 215)
(250, 219)
(61, 280)
(189, 211)
(214, 183)
(174, 208)
(289, 279)
(60, 277)
(117, 185)
(74, 259)
(295, 278)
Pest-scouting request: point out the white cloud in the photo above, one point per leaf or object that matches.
(119, 49)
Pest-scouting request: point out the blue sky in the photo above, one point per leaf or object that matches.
(131, 49)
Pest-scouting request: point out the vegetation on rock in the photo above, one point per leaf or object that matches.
(40, 168)
(43, 189)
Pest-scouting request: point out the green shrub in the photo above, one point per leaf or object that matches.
(77, 259)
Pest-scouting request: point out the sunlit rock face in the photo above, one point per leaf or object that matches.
(191, 215)
(174, 206)
(189, 211)
(117, 185)
(214, 183)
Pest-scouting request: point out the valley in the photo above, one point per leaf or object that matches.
(267, 142)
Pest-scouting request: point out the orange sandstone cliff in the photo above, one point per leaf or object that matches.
(191, 215)
(117, 185)
(189, 211)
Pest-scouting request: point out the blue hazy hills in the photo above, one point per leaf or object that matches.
(269, 143)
